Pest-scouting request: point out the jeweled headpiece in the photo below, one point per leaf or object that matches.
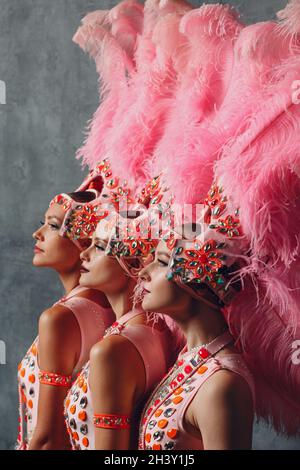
(218, 244)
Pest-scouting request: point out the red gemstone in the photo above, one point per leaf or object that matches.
(203, 259)
(149, 411)
(180, 377)
(188, 369)
(203, 353)
(179, 363)
(173, 384)
(156, 402)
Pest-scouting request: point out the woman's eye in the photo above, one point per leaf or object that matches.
(98, 247)
(162, 263)
(55, 227)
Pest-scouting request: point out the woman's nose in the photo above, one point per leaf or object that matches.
(38, 234)
(84, 255)
(144, 274)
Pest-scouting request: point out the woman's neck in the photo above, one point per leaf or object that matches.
(69, 280)
(202, 324)
(122, 301)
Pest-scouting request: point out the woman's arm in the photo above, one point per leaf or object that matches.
(223, 412)
(58, 351)
(117, 380)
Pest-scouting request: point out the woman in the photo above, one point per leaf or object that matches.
(103, 406)
(206, 400)
(208, 283)
(259, 169)
(67, 329)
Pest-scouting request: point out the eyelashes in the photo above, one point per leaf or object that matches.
(98, 247)
(162, 263)
(54, 226)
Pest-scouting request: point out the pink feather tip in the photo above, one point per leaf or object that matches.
(290, 17)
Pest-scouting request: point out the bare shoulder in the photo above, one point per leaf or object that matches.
(224, 392)
(59, 340)
(227, 386)
(57, 318)
(112, 361)
(112, 350)
(95, 296)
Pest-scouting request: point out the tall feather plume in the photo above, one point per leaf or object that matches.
(290, 18)
(266, 342)
(110, 38)
(258, 167)
(140, 119)
(188, 148)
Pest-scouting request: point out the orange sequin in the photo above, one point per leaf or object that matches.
(22, 373)
(34, 350)
(30, 404)
(85, 442)
(75, 436)
(80, 382)
(177, 400)
(82, 415)
(148, 437)
(158, 413)
(84, 387)
(67, 403)
(172, 433)
(162, 423)
(31, 378)
(178, 391)
(202, 369)
(73, 409)
(156, 447)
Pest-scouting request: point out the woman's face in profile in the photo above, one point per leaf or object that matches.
(51, 249)
(98, 270)
(162, 295)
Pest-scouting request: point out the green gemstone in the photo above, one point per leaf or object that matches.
(193, 263)
(192, 254)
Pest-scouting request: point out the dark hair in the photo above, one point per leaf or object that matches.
(82, 196)
(228, 271)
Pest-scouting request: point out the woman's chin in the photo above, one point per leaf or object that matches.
(147, 304)
(83, 281)
(37, 263)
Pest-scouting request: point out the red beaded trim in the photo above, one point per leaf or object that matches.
(63, 200)
(108, 421)
(50, 378)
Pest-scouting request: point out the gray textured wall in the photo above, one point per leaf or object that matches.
(51, 92)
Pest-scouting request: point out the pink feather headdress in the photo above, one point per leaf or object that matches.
(110, 37)
(256, 134)
(130, 120)
(188, 147)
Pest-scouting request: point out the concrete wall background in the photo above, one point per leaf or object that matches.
(51, 93)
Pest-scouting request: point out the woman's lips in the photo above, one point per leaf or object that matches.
(37, 250)
(147, 291)
(83, 270)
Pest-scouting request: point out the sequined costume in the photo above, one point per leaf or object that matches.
(163, 424)
(93, 320)
(146, 339)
